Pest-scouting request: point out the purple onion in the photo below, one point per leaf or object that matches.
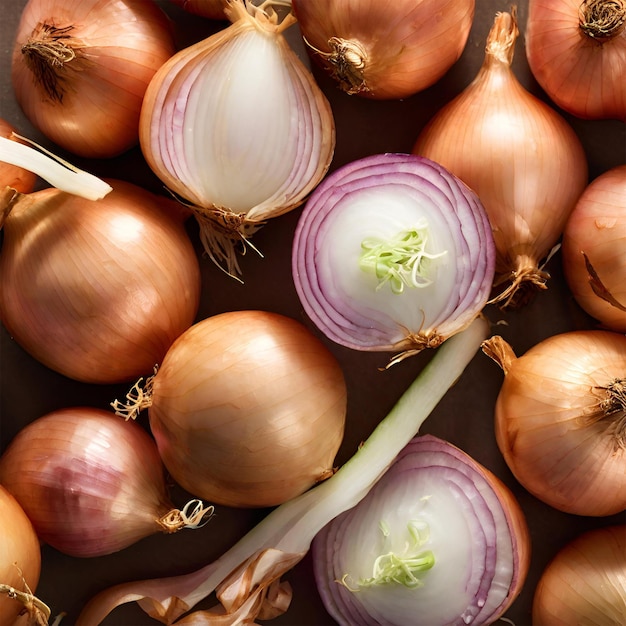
(411, 294)
(469, 524)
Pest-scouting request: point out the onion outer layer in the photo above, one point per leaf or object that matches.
(585, 582)
(385, 50)
(576, 50)
(97, 291)
(248, 409)
(80, 69)
(91, 483)
(20, 563)
(592, 249)
(461, 512)
(519, 155)
(560, 419)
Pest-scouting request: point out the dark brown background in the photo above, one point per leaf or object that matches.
(29, 390)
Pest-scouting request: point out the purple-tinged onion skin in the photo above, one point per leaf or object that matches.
(429, 191)
(429, 469)
(90, 482)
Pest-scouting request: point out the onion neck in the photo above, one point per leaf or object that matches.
(47, 54)
(501, 40)
(602, 20)
(346, 63)
(263, 16)
(9, 197)
(613, 407)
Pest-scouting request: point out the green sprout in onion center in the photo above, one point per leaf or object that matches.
(401, 261)
(401, 569)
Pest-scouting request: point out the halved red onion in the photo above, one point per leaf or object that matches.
(435, 505)
(393, 253)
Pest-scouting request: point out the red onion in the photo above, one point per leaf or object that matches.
(97, 290)
(91, 483)
(453, 544)
(393, 253)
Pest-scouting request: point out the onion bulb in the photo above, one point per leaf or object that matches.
(392, 253)
(592, 249)
(385, 50)
(97, 290)
(576, 50)
(80, 69)
(91, 483)
(439, 539)
(236, 165)
(247, 409)
(585, 582)
(20, 564)
(560, 419)
(519, 155)
(18, 178)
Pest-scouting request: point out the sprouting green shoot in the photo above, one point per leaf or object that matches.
(402, 569)
(401, 261)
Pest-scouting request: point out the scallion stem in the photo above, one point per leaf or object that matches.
(56, 171)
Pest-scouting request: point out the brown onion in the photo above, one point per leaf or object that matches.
(17, 178)
(585, 582)
(97, 290)
(80, 69)
(560, 419)
(593, 249)
(576, 50)
(247, 409)
(385, 50)
(519, 155)
(91, 483)
(20, 563)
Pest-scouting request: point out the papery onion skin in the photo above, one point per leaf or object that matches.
(98, 290)
(261, 163)
(385, 50)
(519, 155)
(559, 419)
(90, 482)
(89, 103)
(379, 196)
(582, 70)
(248, 409)
(585, 582)
(596, 232)
(20, 556)
(461, 587)
(17, 178)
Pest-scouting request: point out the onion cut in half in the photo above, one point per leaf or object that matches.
(393, 253)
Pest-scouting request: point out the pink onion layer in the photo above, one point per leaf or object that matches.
(374, 322)
(497, 557)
